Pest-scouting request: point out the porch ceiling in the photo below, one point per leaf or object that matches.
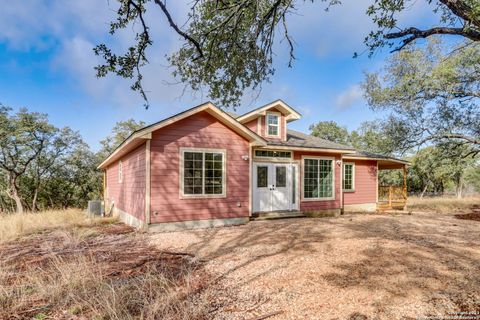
(390, 165)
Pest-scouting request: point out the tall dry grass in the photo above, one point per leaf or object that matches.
(16, 225)
(443, 204)
(76, 288)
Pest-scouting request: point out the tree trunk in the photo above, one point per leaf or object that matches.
(13, 193)
(34, 201)
(424, 190)
(460, 187)
(18, 201)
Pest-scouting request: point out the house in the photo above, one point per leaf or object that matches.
(205, 167)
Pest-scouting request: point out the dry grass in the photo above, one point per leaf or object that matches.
(374, 266)
(82, 270)
(13, 226)
(443, 204)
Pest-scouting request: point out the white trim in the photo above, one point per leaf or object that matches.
(120, 172)
(341, 187)
(303, 179)
(350, 157)
(250, 179)
(319, 150)
(259, 125)
(353, 176)
(377, 183)
(224, 174)
(148, 189)
(272, 159)
(278, 104)
(267, 125)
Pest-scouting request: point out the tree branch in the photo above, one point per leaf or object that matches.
(180, 32)
(415, 33)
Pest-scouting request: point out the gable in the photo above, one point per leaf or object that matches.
(139, 136)
(288, 112)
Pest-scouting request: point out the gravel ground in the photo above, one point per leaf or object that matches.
(350, 267)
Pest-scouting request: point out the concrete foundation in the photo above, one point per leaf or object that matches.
(197, 224)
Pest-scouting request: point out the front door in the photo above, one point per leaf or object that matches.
(274, 186)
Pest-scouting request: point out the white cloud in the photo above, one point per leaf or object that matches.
(348, 97)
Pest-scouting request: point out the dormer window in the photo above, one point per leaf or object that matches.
(273, 124)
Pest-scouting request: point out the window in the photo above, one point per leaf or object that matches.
(273, 124)
(281, 176)
(348, 177)
(273, 154)
(318, 178)
(203, 173)
(120, 172)
(262, 177)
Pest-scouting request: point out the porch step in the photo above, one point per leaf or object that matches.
(276, 215)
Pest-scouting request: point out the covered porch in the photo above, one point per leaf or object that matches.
(392, 196)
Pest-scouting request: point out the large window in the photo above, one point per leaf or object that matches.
(348, 177)
(273, 124)
(203, 172)
(318, 178)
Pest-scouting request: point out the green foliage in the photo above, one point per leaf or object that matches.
(120, 132)
(228, 45)
(331, 131)
(42, 166)
(432, 96)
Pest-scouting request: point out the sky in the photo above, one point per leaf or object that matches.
(47, 65)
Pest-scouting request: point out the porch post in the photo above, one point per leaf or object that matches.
(405, 185)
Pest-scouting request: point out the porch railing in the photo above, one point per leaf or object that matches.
(391, 197)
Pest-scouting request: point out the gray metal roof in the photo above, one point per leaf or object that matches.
(298, 139)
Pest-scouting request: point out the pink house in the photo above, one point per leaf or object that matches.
(205, 167)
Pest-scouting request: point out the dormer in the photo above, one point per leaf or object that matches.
(270, 121)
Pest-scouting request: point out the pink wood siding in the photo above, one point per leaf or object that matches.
(365, 183)
(310, 205)
(129, 195)
(253, 125)
(198, 131)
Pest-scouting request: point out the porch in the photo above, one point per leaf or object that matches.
(392, 196)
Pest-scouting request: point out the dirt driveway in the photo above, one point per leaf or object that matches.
(351, 267)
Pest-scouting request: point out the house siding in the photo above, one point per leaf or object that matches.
(199, 131)
(312, 205)
(253, 125)
(365, 183)
(282, 126)
(128, 195)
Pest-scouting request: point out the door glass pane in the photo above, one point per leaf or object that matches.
(262, 177)
(281, 177)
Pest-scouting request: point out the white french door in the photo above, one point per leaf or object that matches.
(274, 186)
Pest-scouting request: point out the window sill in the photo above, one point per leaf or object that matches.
(349, 191)
(317, 199)
(202, 196)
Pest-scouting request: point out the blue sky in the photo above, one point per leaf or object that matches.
(46, 65)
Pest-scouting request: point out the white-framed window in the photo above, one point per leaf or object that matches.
(277, 154)
(349, 176)
(272, 120)
(318, 178)
(202, 172)
(120, 172)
